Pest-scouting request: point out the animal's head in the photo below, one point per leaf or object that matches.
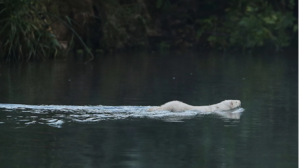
(231, 104)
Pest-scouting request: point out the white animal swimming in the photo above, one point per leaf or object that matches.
(178, 106)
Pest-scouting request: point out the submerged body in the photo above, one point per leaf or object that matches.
(177, 106)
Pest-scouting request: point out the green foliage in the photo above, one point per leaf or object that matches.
(124, 24)
(27, 29)
(24, 32)
(249, 24)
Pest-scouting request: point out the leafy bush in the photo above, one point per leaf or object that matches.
(249, 24)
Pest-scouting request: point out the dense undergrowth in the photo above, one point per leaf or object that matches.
(24, 30)
(46, 28)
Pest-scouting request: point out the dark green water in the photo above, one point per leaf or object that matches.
(265, 136)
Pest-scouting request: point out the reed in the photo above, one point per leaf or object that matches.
(25, 30)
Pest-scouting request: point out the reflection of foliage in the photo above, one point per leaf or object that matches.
(248, 24)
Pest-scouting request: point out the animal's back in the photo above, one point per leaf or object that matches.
(176, 106)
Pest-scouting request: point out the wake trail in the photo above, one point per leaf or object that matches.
(56, 115)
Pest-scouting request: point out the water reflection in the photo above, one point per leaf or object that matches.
(265, 135)
(230, 114)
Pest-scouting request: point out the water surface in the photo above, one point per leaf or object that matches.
(264, 135)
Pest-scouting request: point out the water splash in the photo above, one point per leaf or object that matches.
(56, 115)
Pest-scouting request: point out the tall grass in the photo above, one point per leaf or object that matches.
(24, 30)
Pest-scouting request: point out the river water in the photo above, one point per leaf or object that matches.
(68, 113)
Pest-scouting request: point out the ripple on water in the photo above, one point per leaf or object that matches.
(57, 115)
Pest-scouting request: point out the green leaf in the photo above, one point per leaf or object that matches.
(56, 43)
(211, 38)
(69, 20)
(269, 20)
(248, 8)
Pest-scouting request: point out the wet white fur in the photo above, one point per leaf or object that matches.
(177, 106)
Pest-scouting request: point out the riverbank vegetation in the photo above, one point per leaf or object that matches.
(43, 28)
